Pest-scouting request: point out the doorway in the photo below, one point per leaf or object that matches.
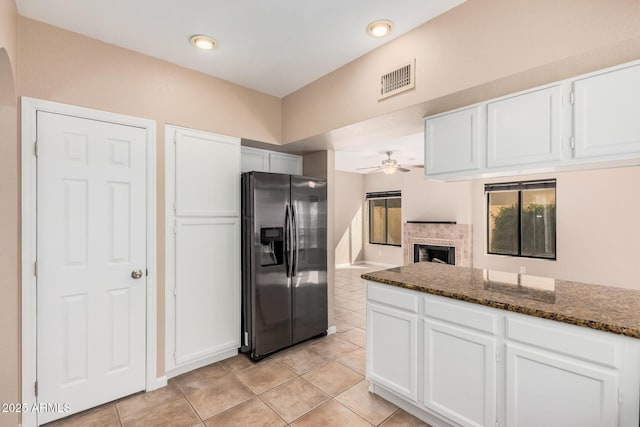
(88, 258)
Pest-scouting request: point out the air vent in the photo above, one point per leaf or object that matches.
(398, 80)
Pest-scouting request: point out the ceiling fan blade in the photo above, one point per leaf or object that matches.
(401, 169)
(368, 167)
(376, 170)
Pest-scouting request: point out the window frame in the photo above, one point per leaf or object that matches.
(386, 195)
(519, 186)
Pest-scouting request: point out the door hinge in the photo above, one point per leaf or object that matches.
(175, 358)
(146, 272)
(35, 148)
(35, 388)
(175, 291)
(175, 137)
(35, 268)
(619, 396)
(497, 356)
(572, 142)
(572, 98)
(174, 208)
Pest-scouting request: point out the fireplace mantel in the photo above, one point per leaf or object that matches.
(438, 234)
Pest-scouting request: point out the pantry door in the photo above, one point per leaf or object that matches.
(91, 262)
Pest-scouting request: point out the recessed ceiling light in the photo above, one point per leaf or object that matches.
(203, 42)
(379, 28)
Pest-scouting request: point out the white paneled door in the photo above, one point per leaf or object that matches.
(91, 248)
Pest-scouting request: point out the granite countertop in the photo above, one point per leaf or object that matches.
(603, 308)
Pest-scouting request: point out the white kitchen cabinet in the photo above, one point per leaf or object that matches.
(481, 366)
(546, 389)
(392, 336)
(525, 128)
(206, 174)
(207, 291)
(584, 122)
(285, 163)
(202, 248)
(452, 141)
(606, 111)
(258, 160)
(460, 373)
(254, 159)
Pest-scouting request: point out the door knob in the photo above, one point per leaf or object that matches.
(136, 274)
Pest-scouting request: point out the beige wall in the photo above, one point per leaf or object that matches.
(62, 66)
(9, 217)
(421, 200)
(476, 43)
(322, 164)
(597, 229)
(349, 217)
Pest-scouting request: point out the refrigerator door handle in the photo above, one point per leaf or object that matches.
(288, 239)
(294, 222)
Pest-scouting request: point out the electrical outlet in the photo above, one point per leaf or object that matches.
(523, 270)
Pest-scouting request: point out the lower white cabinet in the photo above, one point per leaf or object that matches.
(393, 339)
(459, 373)
(547, 389)
(480, 366)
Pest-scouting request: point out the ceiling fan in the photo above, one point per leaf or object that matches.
(389, 166)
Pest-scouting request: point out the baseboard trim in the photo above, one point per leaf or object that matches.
(200, 363)
(157, 383)
(380, 264)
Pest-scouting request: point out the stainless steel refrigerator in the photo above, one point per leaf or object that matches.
(284, 261)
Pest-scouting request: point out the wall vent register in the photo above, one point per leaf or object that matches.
(398, 80)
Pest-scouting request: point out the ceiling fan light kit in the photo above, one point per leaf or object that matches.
(390, 166)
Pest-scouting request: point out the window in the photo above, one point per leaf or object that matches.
(385, 218)
(521, 218)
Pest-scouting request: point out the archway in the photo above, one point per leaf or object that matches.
(9, 230)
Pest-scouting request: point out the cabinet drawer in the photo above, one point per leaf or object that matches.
(562, 339)
(461, 314)
(385, 294)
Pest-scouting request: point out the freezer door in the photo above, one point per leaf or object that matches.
(269, 288)
(309, 281)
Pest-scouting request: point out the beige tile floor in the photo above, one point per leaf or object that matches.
(317, 383)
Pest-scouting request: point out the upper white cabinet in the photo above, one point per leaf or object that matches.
(578, 123)
(453, 141)
(285, 163)
(607, 113)
(254, 159)
(525, 128)
(206, 171)
(258, 160)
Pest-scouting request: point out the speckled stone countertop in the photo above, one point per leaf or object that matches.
(603, 308)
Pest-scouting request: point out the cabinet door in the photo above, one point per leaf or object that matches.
(392, 349)
(606, 110)
(254, 159)
(459, 374)
(285, 163)
(452, 142)
(545, 389)
(207, 287)
(525, 128)
(207, 167)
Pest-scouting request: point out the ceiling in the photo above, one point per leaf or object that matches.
(406, 150)
(273, 46)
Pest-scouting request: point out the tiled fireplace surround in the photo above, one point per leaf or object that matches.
(438, 234)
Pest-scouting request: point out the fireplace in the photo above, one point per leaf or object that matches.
(454, 239)
(433, 253)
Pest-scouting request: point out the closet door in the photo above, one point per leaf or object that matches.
(203, 264)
